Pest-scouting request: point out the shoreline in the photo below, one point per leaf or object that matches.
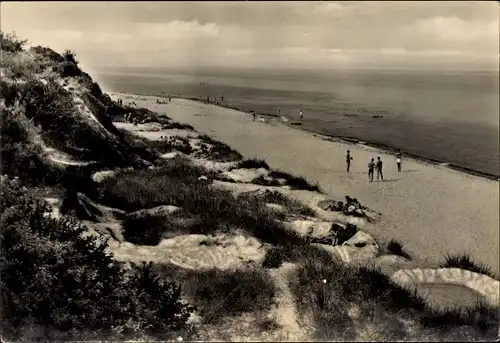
(348, 140)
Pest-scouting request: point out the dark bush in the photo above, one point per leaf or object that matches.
(252, 164)
(296, 182)
(11, 43)
(55, 278)
(396, 248)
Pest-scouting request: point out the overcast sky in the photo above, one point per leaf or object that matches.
(321, 34)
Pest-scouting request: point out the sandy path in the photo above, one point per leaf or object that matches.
(433, 210)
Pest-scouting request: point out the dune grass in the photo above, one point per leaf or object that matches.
(329, 292)
(295, 182)
(219, 151)
(292, 206)
(217, 294)
(252, 164)
(176, 183)
(465, 261)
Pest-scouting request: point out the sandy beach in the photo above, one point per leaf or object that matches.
(432, 209)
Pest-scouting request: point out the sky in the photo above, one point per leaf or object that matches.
(314, 34)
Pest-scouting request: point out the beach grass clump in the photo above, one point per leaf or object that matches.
(295, 182)
(396, 248)
(176, 125)
(465, 261)
(252, 164)
(148, 230)
(62, 283)
(219, 151)
(217, 293)
(330, 291)
(292, 206)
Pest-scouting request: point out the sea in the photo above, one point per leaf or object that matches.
(446, 117)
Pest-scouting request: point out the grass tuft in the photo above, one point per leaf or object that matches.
(396, 248)
(252, 164)
(465, 261)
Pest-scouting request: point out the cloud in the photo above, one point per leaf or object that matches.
(455, 29)
(178, 30)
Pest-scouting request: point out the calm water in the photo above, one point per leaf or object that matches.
(450, 117)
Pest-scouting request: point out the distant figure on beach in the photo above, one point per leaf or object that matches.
(278, 112)
(222, 98)
(348, 160)
(398, 159)
(371, 167)
(301, 115)
(254, 115)
(208, 99)
(169, 98)
(379, 169)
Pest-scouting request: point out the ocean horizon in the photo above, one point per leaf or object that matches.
(450, 116)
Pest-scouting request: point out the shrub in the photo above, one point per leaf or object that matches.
(69, 68)
(58, 279)
(51, 107)
(9, 42)
(465, 261)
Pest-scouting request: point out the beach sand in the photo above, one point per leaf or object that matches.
(433, 210)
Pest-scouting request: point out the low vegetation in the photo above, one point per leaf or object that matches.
(219, 151)
(295, 182)
(333, 292)
(465, 261)
(396, 248)
(54, 278)
(220, 293)
(292, 206)
(252, 164)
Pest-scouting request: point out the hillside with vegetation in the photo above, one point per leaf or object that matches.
(119, 223)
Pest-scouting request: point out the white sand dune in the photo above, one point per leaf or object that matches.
(432, 209)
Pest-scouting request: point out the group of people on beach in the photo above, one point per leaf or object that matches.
(372, 165)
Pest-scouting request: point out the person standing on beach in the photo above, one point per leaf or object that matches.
(278, 112)
(348, 160)
(301, 115)
(371, 167)
(379, 169)
(398, 159)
